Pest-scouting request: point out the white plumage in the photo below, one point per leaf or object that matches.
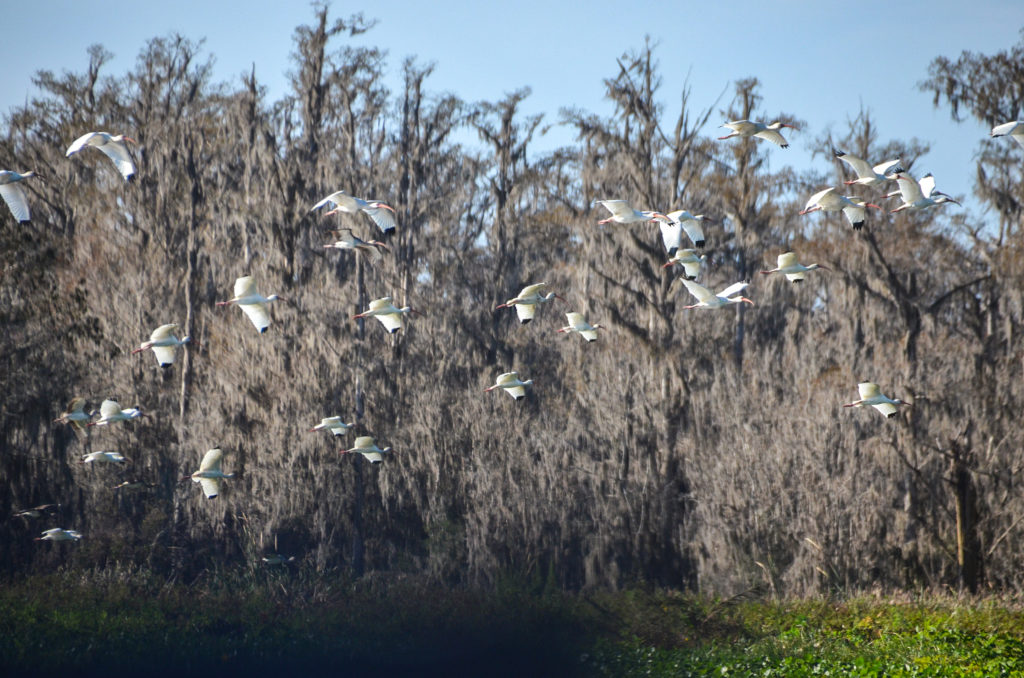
(680, 222)
(749, 128)
(624, 213)
(512, 384)
(103, 458)
(579, 324)
(1013, 129)
(366, 446)
(871, 395)
(866, 174)
(251, 302)
(854, 208)
(791, 268)
(526, 302)
(14, 195)
(707, 299)
(919, 195)
(163, 342)
(689, 260)
(58, 534)
(333, 424)
(209, 475)
(383, 215)
(114, 147)
(111, 413)
(389, 315)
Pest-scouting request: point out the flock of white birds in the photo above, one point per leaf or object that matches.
(673, 225)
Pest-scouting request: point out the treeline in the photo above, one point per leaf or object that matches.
(706, 450)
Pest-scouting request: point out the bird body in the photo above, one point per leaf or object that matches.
(58, 534)
(112, 146)
(37, 511)
(679, 222)
(389, 315)
(579, 324)
(1013, 129)
(111, 413)
(366, 446)
(333, 424)
(854, 208)
(163, 342)
(689, 260)
(791, 268)
(277, 559)
(383, 215)
(749, 128)
(251, 302)
(14, 195)
(512, 384)
(346, 240)
(209, 475)
(871, 395)
(103, 458)
(919, 195)
(707, 299)
(74, 414)
(526, 302)
(866, 174)
(624, 213)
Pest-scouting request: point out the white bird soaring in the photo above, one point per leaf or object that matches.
(624, 213)
(828, 200)
(678, 222)
(14, 195)
(706, 299)
(346, 240)
(366, 446)
(75, 413)
(163, 342)
(111, 413)
(689, 260)
(389, 315)
(866, 174)
(791, 268)
(579, 324)
(526, 303)
(512, 384)
(748, 128)
(333, 424)
(252, 302)
(919, 195)
(114, 147)
(382, 215)
(1014, 130)
(871, 395)
(210, 474)
(58, 534)
(103, 458)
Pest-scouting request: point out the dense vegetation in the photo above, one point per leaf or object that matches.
(697, 450)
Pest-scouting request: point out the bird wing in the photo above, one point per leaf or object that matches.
(211, 460)
(773, 136)
(164, 355)
(526, 312)
(163, 332)
(75, 405)
(618, 208)
(531, 290)
(516, 392)
(109, 408)
(910, 191)
(867, 390)
(888, 167)
(575, 319)
(787, 259)
(337, 198)
(244, 286)
(741, 126)
(855, 214)
(927, 184)
(364, 442)
(373, 457)
(79, 143)
(211, 486)
(506, 378)
(383, 217)
(1007, 128)
(117, 151)
(258, 315)
(818, 197)
(671, 235)
(886, 408)
(14, 196)
(732, 289)
(859, 165)
(589, 335)
(692, 268)
(702, 293)
(793, 277)
(694, 231)
(392, 322)
(378, 304)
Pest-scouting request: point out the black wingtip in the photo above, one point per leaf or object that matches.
(699, 244)
(672, 252)
(263, 330)
(838, 153)
(165, 365)
(890, 415)
(858, 225)
(785, 145)
(525, 320)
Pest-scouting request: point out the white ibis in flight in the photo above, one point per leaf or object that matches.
(579, 324)
(209, 475)
(252, 302)
(707, 299)
(112, 146)
(749, 128)
(866, 174)
(512, 384)
(624, 213)
(389, 315)
(383, 215)
(791, 268)
(526, 301)
(163, 342)
(871, 395)
(854, 208)
(14, 195)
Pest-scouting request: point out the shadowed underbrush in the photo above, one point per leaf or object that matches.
(295, 620)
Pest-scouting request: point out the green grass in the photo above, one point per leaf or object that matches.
(262, 621)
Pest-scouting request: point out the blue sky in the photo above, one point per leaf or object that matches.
(820, 61)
